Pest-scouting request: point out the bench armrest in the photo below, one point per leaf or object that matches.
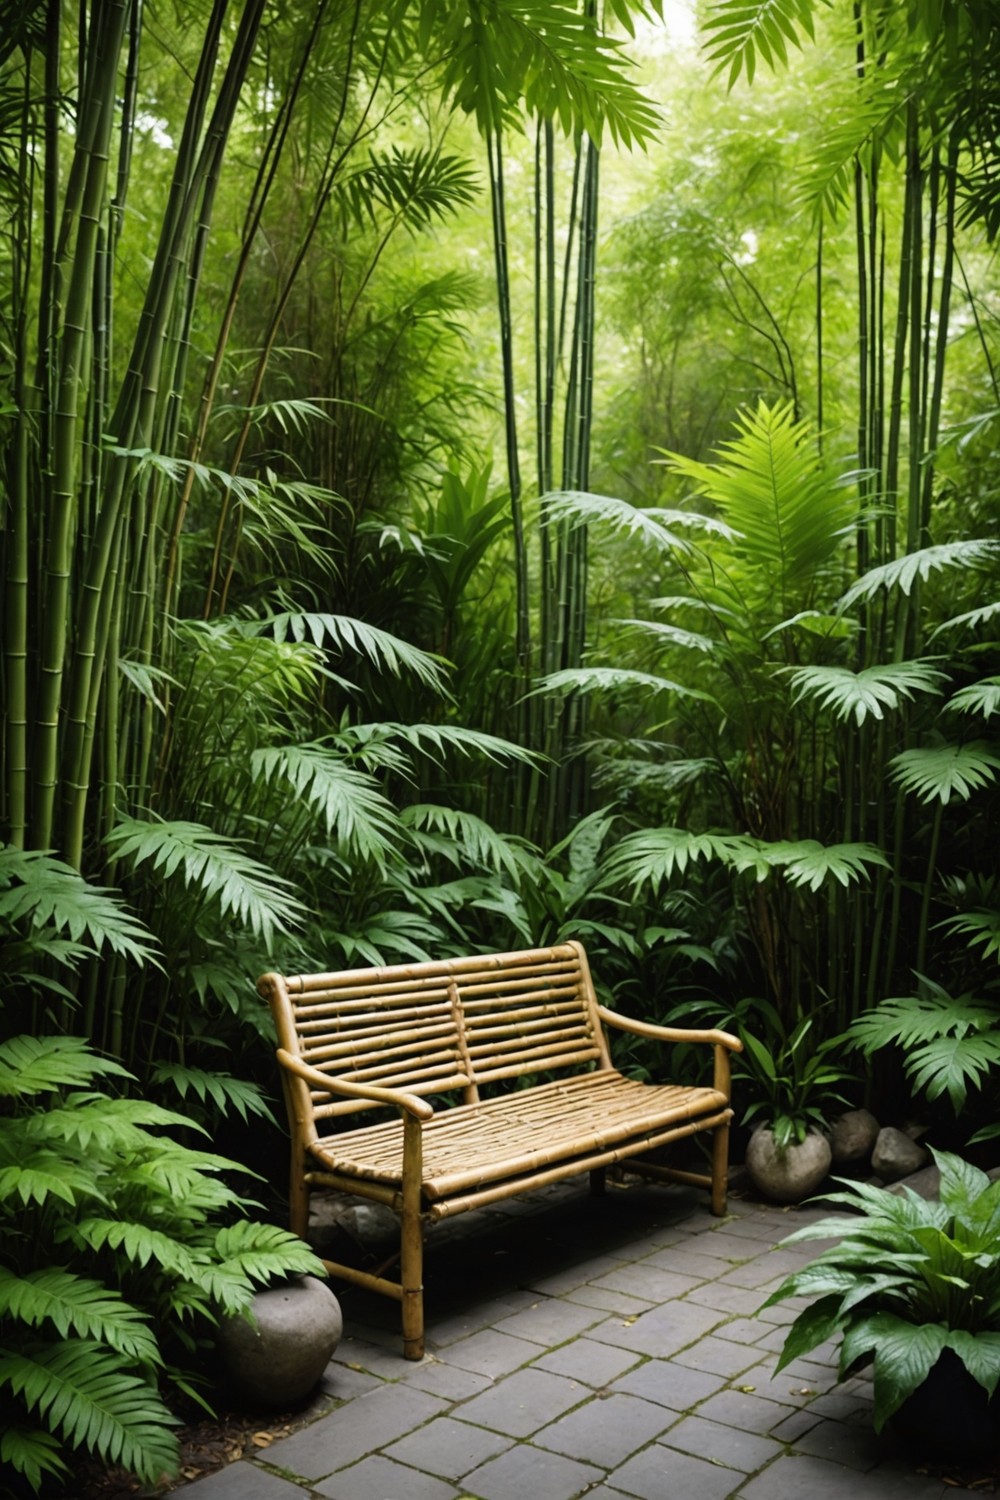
(668, 1033)
(409, 1103)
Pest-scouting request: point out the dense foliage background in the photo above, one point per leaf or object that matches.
(463, 488)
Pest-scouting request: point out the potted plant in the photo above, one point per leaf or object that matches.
(913, 1286)
(793, 1082)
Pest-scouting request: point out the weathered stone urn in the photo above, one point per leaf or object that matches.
(790, 1173)
(277, 1362)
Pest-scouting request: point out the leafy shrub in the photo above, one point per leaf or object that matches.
(111, 1262)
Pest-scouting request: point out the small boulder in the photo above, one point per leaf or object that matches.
(789, 1174)
(853, 1135)
(896, 1155)
(278, 1361)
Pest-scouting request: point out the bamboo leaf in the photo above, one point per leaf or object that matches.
(737, 30)
(613, 680)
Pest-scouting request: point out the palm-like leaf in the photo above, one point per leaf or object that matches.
(468, 838)
(654, 855)
(949, 1043)
(973, 619)
(943, 772)
(981, 697)
(214, 868)
(415, 184)
(31, 1065)
(867, 693)
(45, 892)
(740, 31)
(438, 739)
(812, 864)
(613, 680)
(220, 1089)
(345, 798)
(670, 635)
(905, 572)
(386, 652)
(653, 527)
(979, 928)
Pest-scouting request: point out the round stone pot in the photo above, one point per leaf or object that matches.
(789, 1175)
(277, 1362)
(950, 1417)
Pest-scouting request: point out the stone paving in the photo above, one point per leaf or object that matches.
(611, 1347)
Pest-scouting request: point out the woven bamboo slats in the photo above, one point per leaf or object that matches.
(401, 1035)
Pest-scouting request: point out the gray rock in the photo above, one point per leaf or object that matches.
(853, 1135)
(790, 1175)
(278, 1361)
(896, 1156)
(369, 1225)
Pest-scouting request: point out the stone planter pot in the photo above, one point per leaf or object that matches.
(277, 1363)
(790, 1175)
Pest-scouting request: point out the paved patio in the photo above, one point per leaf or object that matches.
(609, 1347)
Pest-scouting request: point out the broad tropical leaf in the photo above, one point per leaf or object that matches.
(866, 693)
(972, 620)
(904, 1353)
(944, 772)
(211, 865)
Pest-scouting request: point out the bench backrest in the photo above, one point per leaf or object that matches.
(433, 1028)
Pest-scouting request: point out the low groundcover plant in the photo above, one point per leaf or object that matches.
(907, 1280)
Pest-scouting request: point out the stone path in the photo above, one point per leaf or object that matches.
(609, 1347)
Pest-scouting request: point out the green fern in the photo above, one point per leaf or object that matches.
(971, 620)
(979, 928)
(465, 838)
(220, 1089)
(31, 1452)
(949, 1043)
(811, 864)
(613, 680)
(868, 692)
(31, 1065)
(386, 652)
(79, 1306)
(649, 526)
(438, 739)
(946, 772)
(210, 864)
(88, 1398)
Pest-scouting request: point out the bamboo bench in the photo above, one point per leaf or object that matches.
(364, 1039)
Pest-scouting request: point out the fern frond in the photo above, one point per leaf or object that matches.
(654, 855)
(739, 31)
(953, 1065)
(905, 572)
(866, 693)
(47, 893)
(971, 620)
(86, 1394)
(613, 680)
(909, 1021)
(470, 838)
(944, 772)
(31, 1452)
(77, 1305)
(981, 697)
(670, 635)
(139, 1244)
(262, 1252)
(92, 1123)
(211, 865)
(40, 1174)
(347, 799)
(221, 1089)
(32, 1065)
(808, 863)
(386, 652)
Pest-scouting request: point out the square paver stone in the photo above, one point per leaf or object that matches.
(523, 1402)
(490, 1353)
(659, 1473)
(550, 1321)
(853, 1444)
(723, 1445)
(449, 1381)
(607, 1429)
(673, 1385)
(448, 1448)
(661, 1331)
(650, 1282)
(353, 1431)
(244, 1481)
(794, 1477)
(531, 1472)
(744, 1409)
(719, 1357)
(379, 1478)
(587, 1361)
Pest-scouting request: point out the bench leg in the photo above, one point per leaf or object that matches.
(411, 1258)
(720, 1169)
(298, 1196)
